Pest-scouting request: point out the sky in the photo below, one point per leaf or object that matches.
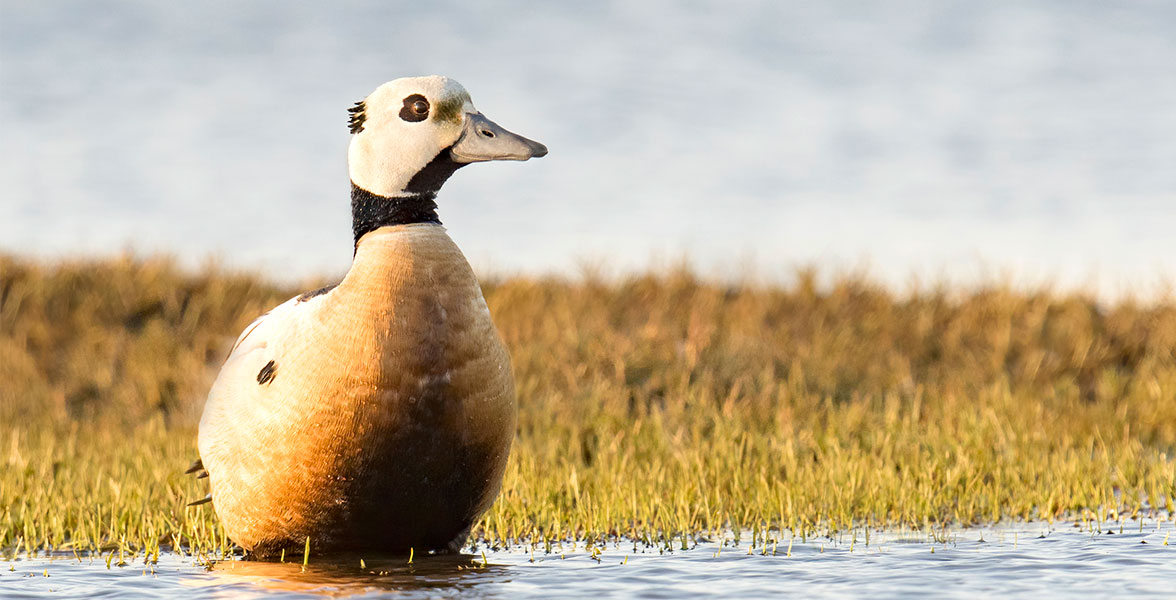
(915, 141)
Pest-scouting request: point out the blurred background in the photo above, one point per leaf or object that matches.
(927, 140)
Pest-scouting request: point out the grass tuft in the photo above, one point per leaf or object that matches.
(659, 408)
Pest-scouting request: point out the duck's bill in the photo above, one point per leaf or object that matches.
(483, 139)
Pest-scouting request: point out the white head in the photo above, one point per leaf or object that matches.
(424, 128)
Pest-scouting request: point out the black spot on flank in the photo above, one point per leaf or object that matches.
(267, 373)
(416, 109)
(315, 293)
(358, 116)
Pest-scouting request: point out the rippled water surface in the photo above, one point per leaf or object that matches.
(1023, 559)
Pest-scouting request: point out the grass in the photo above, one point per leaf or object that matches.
(658, 408)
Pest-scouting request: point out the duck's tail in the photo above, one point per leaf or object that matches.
(205, 500)
(197, 467)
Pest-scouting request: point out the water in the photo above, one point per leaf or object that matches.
(935, 138)
(1038, 560)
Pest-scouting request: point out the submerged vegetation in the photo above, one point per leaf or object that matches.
(658, 408)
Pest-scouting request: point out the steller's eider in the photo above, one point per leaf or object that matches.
(376, 414)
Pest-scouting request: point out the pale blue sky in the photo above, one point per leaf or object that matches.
(933, 139)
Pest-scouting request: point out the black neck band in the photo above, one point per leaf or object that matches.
(371, 211)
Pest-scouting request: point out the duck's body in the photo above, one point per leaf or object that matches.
(374, 415)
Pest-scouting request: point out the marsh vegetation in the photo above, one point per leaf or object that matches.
(658, 408)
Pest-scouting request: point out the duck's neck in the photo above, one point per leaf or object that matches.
(370, 212)
(391, 259)
(414, 203)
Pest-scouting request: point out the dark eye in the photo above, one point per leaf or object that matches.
(416, 109)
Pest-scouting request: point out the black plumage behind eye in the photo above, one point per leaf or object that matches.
(416, 109)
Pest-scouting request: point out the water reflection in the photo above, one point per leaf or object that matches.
(345, 575)
(1111, 559)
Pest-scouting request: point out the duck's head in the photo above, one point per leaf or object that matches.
(412, 133)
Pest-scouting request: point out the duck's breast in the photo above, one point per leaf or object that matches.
(382, 410)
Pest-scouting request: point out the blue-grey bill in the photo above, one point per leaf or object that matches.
(483, 139)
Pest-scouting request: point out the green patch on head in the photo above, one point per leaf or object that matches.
(449, 109)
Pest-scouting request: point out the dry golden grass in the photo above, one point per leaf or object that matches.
(657, 407)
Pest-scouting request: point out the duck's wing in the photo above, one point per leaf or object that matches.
(290, 310)
(241, 391)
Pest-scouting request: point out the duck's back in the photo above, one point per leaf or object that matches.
(376, 415)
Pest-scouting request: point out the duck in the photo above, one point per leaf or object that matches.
(376, 414)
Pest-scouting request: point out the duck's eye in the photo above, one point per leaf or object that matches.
(416, 108)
